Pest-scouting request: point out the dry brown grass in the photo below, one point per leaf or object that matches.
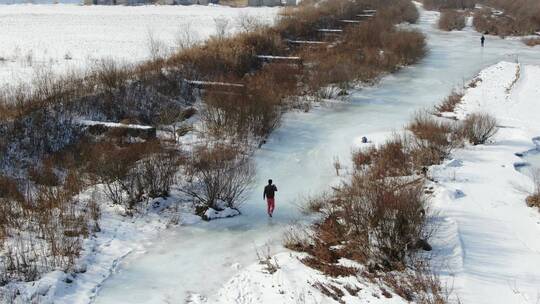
(479, 128)
(432, 139)
(228, 57)
(532, 41)
(451, 20)
(52, 213)
(524, 16)
(533, 200)
(449, 4)
(520, 18)
(420, 285)
(449, 103)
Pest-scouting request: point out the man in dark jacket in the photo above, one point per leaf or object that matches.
(482, 40)
(268, 194)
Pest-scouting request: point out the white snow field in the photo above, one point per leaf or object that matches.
(65, 37)
(493, 254)
(489, 238)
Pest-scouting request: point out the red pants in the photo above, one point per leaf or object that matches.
(271, 205)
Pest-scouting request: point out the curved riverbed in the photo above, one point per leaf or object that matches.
(298, 157)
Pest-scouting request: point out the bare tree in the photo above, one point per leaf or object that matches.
(479, 128)
(186, 37)
(156, 47)
(248, 23)
(219, 174)
(222, 27)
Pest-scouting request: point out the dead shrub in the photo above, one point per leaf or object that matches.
(270, 264)
(315, 204)
(54, 223)
(372, 220)
(478, 128)
(399, 11)
(158, 171)
(218, 176)
(419, 285)
(449, 103)
(364, 157)
(257, 111)
(112, 167)
(451, 20)
(532, 41)
(391, 158)
(131, 172)
(533, 200)
(297, 238)
(432, 140)
(386, 216)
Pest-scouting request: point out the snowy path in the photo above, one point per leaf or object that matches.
(298, 156)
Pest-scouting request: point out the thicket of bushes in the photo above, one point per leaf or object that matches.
(380, 218)
(129, 173)
(43, 229)
(449, 4)
(521, 17)
(449, 103)
(451, 20)
(218, 176)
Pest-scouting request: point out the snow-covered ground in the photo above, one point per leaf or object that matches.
(486, 247)
(134, 263)
(294, 282)
(489, 238)
(193, 262)
(64, 37)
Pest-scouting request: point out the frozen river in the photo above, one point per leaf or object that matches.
(298, 157)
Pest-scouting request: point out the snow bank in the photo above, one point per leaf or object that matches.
(487, 245)
(114, 125)
(293, 283)
(120, 236)
(212, 214)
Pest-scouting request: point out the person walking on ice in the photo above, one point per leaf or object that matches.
(268, 194)
(482, 40)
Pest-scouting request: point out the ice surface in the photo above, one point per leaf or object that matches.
(298, 157)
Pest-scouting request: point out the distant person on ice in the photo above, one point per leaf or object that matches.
(268, 194)
(482, 40)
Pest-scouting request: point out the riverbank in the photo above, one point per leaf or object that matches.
(488, 244)
(485, 248)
